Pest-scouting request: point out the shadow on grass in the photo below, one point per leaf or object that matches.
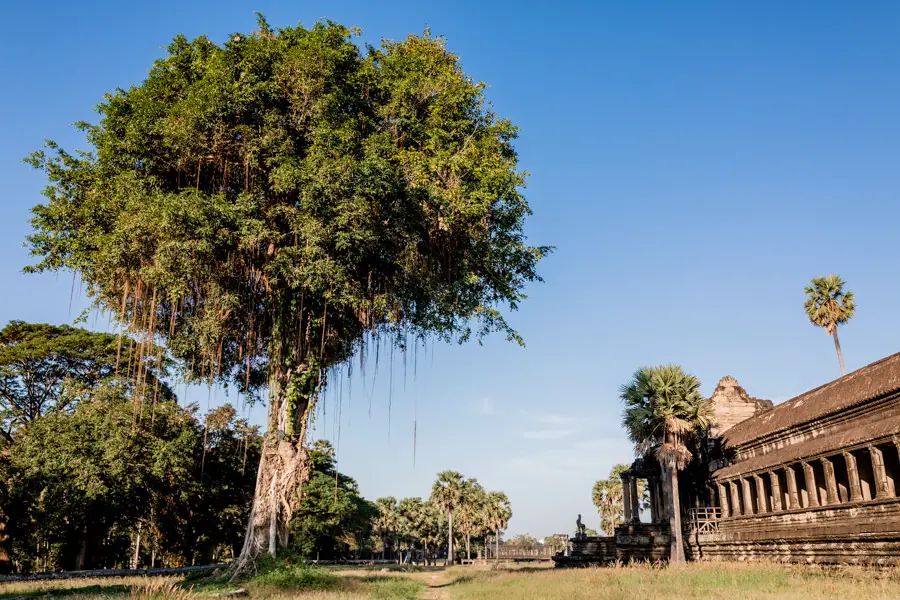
(92, 589)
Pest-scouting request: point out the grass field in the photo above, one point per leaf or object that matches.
(710, 580)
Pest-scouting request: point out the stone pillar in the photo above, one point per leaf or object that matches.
(793, 497)
(635, 501)
(762, 502)
(882, 487)
(660, 515)
(853, 478)
(723, 500)
(735, 499)
(812, 489)
(776, 491)
(748, 498)
(626, 498)
(830, 482)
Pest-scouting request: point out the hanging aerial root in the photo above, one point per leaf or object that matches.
(284, 469)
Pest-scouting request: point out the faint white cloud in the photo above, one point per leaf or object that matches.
(548, 434)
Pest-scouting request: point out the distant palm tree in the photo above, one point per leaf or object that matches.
(471, 511)
(498, 513)
(609, 498)
(828, 306)
(447, 496)
(664, 412)
(386, 522)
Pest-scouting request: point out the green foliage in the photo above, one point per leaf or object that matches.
(665, 413)
(498, 510)
(46, 369)
(522, 540)
(293, 575)
(263, 204)
(81, 484)
(609, 498)
(333, 518)
(827, 304)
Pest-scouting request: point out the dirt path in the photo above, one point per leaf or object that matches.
(436, 589)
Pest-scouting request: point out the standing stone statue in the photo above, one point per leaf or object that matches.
(580, 528)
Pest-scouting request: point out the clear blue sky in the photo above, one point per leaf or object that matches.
(695, 163)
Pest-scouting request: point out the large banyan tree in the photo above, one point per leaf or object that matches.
(261, 208)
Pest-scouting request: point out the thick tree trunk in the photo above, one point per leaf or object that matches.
(5, 563)
(468, 544)
(497, 544)
(136, 556)
(450, 541)
(81, 559)
(676, 553)
(283, 469)
(837, 346)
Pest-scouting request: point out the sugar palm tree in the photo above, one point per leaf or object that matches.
(470, 511)
(498, 512)
(664, 412)
(386, 523)
(447, 495)
(609, 498)
(828, 305)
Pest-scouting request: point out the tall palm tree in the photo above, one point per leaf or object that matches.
(386, 522)
(470, 511)
(609, 498)
(664, 412)
(447, 495)
(498, 512)
(828, 305)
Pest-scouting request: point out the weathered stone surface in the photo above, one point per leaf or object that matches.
(732, 405)
(647, 542)
(589, 551)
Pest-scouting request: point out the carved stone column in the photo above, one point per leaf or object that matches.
(793, 497)
(882, 487)
(748, 498)
(635, 501)
(830, 482)
(723, 500)
(776, 491)
(735, 500)
(626, 498)
(659, 502)
(811, 489)
(853, 478)
(762, 502)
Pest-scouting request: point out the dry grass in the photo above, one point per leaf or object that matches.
(723, 581)
(99, 587)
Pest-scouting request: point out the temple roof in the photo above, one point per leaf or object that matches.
(866, 428)
(874, 380)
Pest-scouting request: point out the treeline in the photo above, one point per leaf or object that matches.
(100, 467)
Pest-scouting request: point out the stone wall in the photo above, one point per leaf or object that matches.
(732, 405)
(646, 542)
(853, 534)
(589, 551)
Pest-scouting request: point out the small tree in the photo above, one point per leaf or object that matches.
(664, 412)
(267, 206)
(828, 305)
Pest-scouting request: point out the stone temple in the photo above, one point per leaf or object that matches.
(815, 479)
